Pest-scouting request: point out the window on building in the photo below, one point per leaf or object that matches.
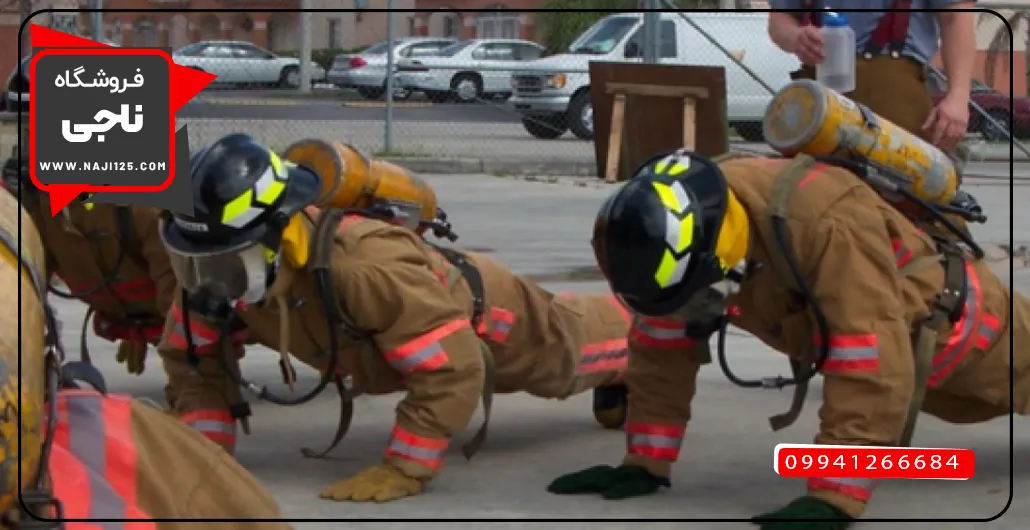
(497, 24)
(411, 26)
(450, 26)
(333, 36)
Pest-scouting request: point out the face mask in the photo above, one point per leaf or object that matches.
(243, 276)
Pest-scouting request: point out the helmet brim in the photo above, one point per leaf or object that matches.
(302, 189)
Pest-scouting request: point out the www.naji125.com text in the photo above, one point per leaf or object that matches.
(103, 166)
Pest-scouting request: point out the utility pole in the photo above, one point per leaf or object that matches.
(25, 8)
(305, 47)
(651, 33)
(388, 125)
(97, 21)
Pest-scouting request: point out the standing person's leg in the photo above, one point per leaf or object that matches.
(896, 90)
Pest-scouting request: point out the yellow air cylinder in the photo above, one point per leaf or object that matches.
(351, 180)
(27, 316)
(806, 117)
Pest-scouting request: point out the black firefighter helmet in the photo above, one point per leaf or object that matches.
(655, 238)
(243, 194)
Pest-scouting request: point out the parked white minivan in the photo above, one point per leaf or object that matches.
(552, 93)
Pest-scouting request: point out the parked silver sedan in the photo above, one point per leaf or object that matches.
(468, 70)
(366, 70)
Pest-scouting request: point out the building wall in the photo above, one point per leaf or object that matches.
(436, 17)
(10, 19)
(359, 27)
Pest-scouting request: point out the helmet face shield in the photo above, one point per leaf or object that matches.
(243, 275)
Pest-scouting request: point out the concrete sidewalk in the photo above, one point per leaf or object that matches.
(725, 469)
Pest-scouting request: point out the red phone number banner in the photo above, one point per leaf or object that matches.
(872, 462)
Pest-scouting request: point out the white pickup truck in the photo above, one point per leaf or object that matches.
(553, 93)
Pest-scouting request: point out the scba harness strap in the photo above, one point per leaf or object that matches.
(945, 309)
(326, 227)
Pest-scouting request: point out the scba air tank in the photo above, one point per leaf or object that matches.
(352, 180)
(806, 117)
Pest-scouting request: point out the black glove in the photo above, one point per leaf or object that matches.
(611, 482)
(804, 508)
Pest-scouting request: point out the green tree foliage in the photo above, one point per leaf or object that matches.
(559, 26)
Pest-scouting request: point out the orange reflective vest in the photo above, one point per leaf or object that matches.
(93, 464)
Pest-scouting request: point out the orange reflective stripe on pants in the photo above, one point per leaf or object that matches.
(419, 449)
(860, 489)
(852, 353)
(609, 355)
(217, 425)
(657, 333)
(661, 442)
(976, 328)
(94, 461)
(498, 325)
(425, 353)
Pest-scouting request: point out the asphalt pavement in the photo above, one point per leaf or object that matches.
(726, 464)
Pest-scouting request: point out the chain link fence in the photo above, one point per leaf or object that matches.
(481, 85)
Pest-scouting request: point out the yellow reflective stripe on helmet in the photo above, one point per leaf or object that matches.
(276, 162)
(671, 270)
(680, 163)
(673, 196)
(679, 233)
(233, 211)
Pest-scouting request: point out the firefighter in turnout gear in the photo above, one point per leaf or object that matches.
(111, 258)
(106, 456)
(361, 298)
(808, 258)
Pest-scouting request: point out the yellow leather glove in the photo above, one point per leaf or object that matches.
(132, 354)
(378, 484)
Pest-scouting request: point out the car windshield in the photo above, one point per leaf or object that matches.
(377, 49)
(453, 49)
(189, 49)
(603, 37)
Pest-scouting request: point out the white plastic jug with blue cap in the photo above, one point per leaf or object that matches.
(837, 71)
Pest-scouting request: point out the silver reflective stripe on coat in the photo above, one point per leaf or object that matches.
(87, 441)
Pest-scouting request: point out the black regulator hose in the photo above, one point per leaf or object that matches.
(779, 227)
(262, 392)
(780, 232)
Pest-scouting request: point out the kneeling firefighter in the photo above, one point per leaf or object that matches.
(357, 294)
(72, 453)
(111, 258)
(810, 259)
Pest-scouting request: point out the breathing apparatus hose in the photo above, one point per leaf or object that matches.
(262, 392)
(780, 232)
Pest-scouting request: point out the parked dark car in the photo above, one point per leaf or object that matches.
(996, 105)
(16, 89)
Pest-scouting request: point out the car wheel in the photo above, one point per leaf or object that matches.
(467, 88)
(544, 128)
(990, 132)
(750, 131)
(370, 93)
(581, 116)
(289, 77)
